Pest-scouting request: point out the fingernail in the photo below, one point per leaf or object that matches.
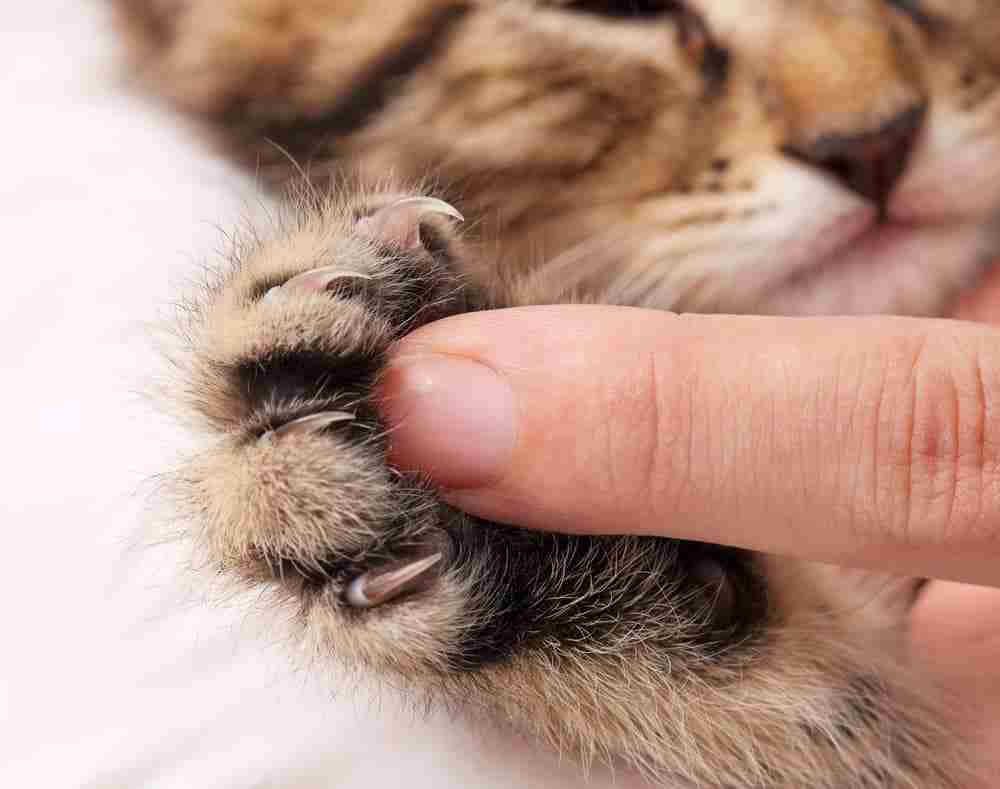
(451, 418)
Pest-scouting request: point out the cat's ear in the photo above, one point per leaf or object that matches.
(398, 224)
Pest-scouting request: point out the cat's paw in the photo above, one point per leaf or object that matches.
(295, 493)
(682, 657)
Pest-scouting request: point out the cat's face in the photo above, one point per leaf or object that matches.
(787, 156)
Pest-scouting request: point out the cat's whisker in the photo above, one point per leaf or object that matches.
(703, 279)
(665, 269)
(677, 212)
(562, 276)
(708, 292)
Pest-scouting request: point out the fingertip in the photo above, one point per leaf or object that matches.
(451, 418)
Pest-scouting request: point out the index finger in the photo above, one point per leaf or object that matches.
(855, 441)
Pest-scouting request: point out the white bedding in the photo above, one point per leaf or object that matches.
(111, 673)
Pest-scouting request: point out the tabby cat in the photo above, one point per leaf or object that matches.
(752, 156)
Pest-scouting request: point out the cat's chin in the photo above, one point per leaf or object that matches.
(888, 268)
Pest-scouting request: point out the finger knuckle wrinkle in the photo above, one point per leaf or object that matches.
(948, 452)
(667, 465)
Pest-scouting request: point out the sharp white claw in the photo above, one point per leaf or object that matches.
(378, 587)
(273, 296)
(307, 425)
(421, 206)
(399, 222)
(318, 279)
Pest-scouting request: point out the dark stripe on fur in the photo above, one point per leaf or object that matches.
(371, 92)
(553, 588)
(294, 377)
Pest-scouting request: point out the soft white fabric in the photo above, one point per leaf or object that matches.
(112, 674)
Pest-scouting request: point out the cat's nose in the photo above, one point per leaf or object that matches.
(869, 164)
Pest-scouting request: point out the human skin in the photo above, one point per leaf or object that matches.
(882, 434)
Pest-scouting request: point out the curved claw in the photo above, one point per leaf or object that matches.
(318, 279)
(421, 206)
(378, 587)
(307, 425)
(274, 295)
(398, 223)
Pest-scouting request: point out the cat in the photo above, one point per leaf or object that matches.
(793, 157)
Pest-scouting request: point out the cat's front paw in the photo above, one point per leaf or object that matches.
(294, 492)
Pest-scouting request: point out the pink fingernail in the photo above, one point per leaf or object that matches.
(451, 418)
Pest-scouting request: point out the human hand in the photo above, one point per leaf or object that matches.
(865, 442)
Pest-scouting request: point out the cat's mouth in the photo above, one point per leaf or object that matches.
(866, 264)
(878, 242)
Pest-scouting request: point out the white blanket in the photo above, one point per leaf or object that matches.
(112, 674)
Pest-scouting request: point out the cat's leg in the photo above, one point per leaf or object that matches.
(282, 79)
